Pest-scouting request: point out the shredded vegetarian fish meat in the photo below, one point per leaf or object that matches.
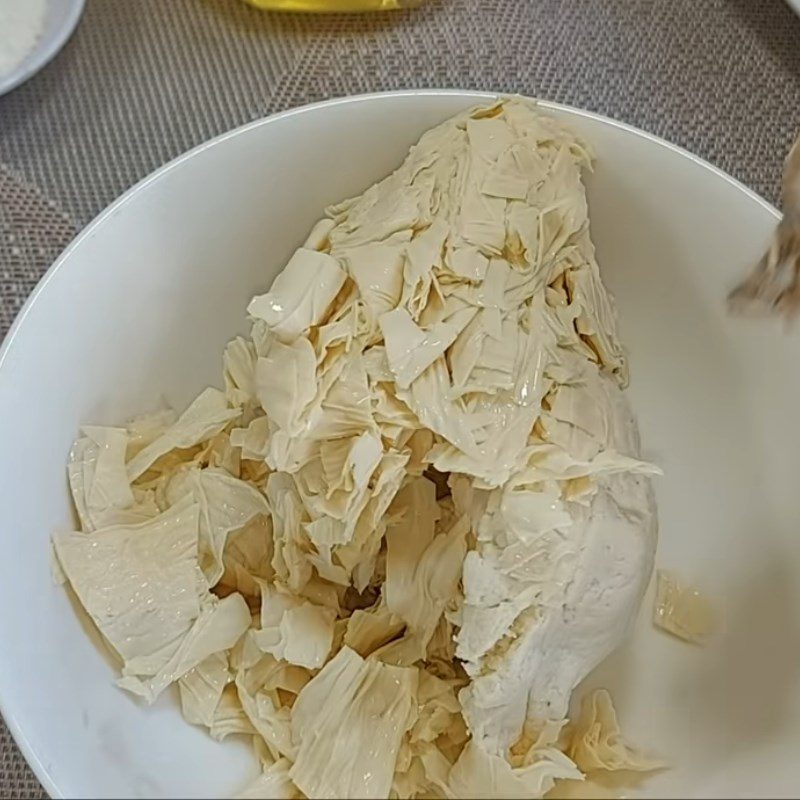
(417, 516)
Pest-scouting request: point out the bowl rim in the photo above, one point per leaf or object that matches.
(45, 50)
(16, 726)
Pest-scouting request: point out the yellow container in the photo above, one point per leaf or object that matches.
(331, 6)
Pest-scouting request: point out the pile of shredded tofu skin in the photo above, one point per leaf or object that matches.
(416, 517)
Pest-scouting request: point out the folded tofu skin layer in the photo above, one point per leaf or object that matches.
(416, 516)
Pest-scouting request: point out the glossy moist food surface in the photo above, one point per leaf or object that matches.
(416, 517)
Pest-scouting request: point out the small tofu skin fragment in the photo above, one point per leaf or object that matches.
(683, 610)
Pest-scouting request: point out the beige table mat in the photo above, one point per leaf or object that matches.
(143, 80)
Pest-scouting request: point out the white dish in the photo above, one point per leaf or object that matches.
(141, 304)
(61, 18)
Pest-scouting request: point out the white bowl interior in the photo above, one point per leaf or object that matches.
(141, 305)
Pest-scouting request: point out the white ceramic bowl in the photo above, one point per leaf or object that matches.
(141, 304)
(60, 20)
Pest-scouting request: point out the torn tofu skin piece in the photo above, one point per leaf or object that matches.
(416, 516)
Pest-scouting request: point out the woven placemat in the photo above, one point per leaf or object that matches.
(143, 80)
